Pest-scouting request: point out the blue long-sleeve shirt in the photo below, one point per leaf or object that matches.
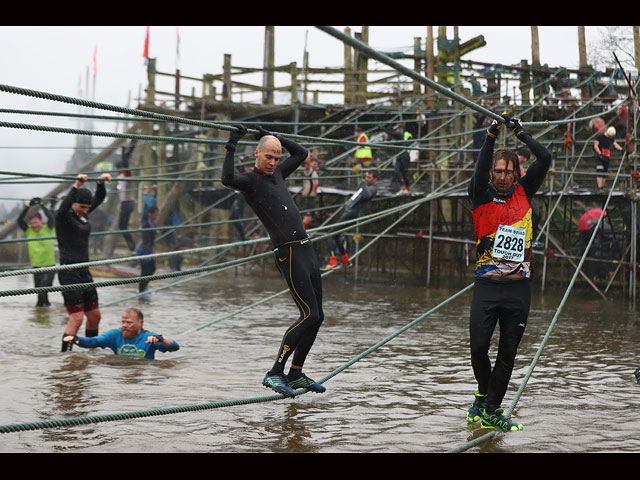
(131, 347)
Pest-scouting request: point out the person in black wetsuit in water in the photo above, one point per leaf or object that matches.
(72, 231)
(265, 191)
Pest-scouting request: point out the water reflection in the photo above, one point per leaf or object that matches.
(410, 395)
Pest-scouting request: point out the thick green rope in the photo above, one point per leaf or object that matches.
(102, 418)
(70, 422)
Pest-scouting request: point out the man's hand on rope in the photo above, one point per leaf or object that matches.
(262, 133)
(235, 136)
(80, 179)
(105, 176)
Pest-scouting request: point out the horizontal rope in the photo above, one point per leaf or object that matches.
(70, 422)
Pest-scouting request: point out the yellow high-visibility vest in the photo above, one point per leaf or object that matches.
(408, 136)
(364, 152)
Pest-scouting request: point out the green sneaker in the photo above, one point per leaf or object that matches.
(305, 382)
(278, 383)
(497, 421)
(474, 414)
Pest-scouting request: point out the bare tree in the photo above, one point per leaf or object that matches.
(618, 39)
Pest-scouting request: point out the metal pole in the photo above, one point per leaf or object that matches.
(546, 242)
(431, 206)
(634, 218)
(357, 252)
(634, 232)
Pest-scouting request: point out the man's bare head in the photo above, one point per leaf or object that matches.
(268, 154)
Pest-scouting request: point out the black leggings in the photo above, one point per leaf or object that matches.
(126, 208)
(298, 264)
(147, 268)
(43, 279)
(400, 175)
(503, 301)
(336, 242)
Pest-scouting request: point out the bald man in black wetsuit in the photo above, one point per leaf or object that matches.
(267, 194)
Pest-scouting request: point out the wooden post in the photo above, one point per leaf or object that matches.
(456, 62)
(268, 79)
(535, 62)
(361, 62)
(535, 47)
(441, 72)
(293, 68)
(177, 93)
(525, 81)
(417, 65)
(151, 81)
(430, 66)
(348, 71)
(582, 56)
(226, 73)
(306, 76)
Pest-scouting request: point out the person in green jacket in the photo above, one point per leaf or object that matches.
(41, 252)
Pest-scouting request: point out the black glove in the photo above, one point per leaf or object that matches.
(35, 201)
(494, 128)
(516, 126)
(235, 136)
(261, 133)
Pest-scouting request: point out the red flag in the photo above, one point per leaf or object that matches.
(145, 53)
(95, 59)
(177, 46)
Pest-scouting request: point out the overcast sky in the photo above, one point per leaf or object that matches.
(56, 60)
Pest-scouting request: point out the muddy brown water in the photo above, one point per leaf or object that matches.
(408, 396)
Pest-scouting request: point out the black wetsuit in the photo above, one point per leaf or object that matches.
(400, 176)
(602, 160)
(496, 298)
(127, 204)
(294, 255)
(478, 136)
(362, 195)
(147, 241)
(73, 233)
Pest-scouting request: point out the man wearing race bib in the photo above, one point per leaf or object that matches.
(502, 216)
